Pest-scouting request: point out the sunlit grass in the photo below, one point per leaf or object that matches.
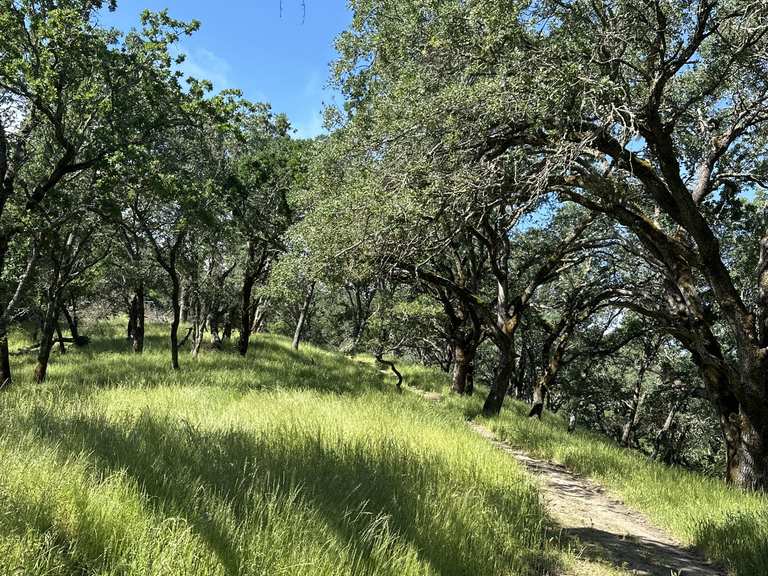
(728, 525)
(280, 463)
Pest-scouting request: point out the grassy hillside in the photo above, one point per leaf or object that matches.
(727, 525)
(282, 463)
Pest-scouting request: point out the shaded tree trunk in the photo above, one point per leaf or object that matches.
(5, 359)
(213, 325)
(249, 279)
(73, 325)
(303, 316)
(137, 338)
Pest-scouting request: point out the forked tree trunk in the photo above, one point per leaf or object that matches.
(303, 316)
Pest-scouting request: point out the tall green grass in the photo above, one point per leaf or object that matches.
(727, 525)
(280, 463)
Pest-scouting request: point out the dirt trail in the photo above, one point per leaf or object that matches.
(605, 526)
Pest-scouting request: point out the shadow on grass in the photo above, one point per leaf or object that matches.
(187, 471)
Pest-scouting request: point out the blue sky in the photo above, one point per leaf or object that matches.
(280, 58)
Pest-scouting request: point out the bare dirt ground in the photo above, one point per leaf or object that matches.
(604, 526)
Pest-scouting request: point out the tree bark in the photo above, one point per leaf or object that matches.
(303, 316)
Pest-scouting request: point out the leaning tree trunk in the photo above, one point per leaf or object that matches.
(303, 316)
(137, 337)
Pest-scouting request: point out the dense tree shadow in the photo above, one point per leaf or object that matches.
(181, 467)
(646, 557)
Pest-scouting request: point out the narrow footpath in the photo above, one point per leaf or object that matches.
(603, 525)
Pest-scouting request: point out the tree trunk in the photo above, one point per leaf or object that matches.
(5, 359)
(60, 338)
(137, 338)
(213, 324)
(463, 359)
(539, 396)
(633, 417)
(72, 324)
(46, 341)
(183, 304)
(259, 315)
(245, 314)
(470, 387)
(498, 391)
(176, 320)
(303, 316)
(226, 332)
(131, 319)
